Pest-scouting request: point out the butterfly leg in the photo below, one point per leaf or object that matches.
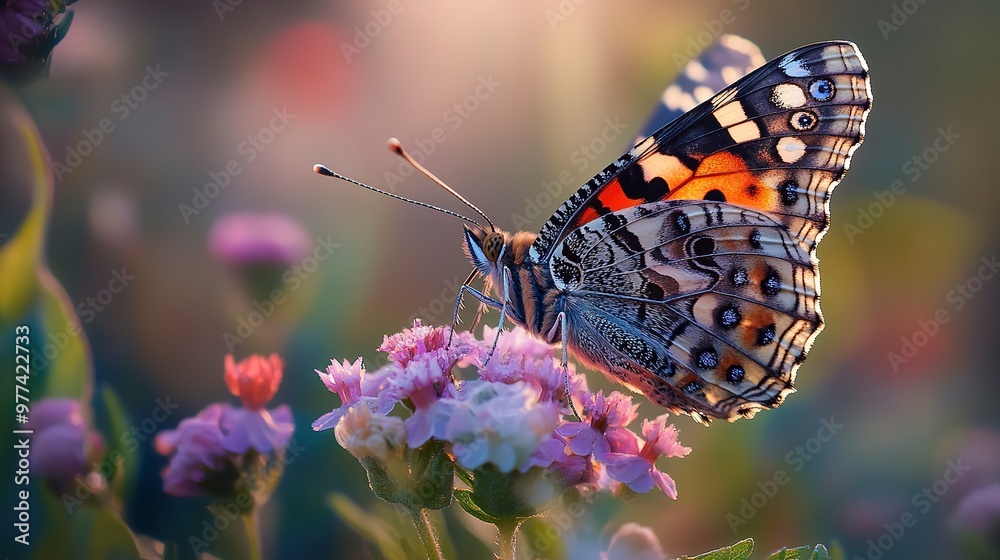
(561, 323)
(503, 311)
(458, 305)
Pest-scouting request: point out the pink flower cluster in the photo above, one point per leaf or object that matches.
(512, 415)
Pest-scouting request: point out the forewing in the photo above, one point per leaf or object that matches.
(777, 140)
(726, 60)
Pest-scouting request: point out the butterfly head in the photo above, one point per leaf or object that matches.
(484, 247)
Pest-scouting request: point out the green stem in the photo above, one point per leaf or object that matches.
(507, 539)
(253, 533)
(427, 534)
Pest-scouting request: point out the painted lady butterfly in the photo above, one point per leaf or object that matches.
(687, 270)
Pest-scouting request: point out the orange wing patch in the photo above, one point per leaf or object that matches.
(724, 177)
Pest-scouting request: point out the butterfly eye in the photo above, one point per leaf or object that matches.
(492, 246)
(821, 89)
(802, 120)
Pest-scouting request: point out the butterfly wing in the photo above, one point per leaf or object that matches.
(689, 263)
(726, 60)
(777, 140)
(704, 307)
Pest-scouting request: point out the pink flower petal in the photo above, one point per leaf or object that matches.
(664, 482)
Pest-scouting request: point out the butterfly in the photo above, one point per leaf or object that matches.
(686, 269)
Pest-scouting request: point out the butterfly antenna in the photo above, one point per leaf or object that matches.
(323, 170)
(396, 147)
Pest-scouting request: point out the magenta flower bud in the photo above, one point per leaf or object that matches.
(61, 445)
(256, 239)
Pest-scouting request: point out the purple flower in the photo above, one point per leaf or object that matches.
(422, 381)
(420, 340)
(638, 471)
(61, 441)
(255, 380)
(979, 512)
(353, 384)
(195, 450)
(30, 29)
(208, 444)
(573, 469)
(604, 430)
(268, 238)
(500, 424)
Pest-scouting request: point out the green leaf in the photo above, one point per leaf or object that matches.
(422, 479)
(28, 285)
(124, 461)
(382, 483)
(820, 553)
(21, 254)
(463, 475)
(69, 372)
(738, 551)
(371, 527)
(508, 496)
(468, 503)
(87, 532)
(800, 553)
(432, 476)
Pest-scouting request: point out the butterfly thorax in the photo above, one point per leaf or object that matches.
(530, 289)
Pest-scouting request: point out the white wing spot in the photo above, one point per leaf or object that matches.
(788, 96)
(791, 149)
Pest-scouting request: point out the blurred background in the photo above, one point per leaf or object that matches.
(215, 109)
